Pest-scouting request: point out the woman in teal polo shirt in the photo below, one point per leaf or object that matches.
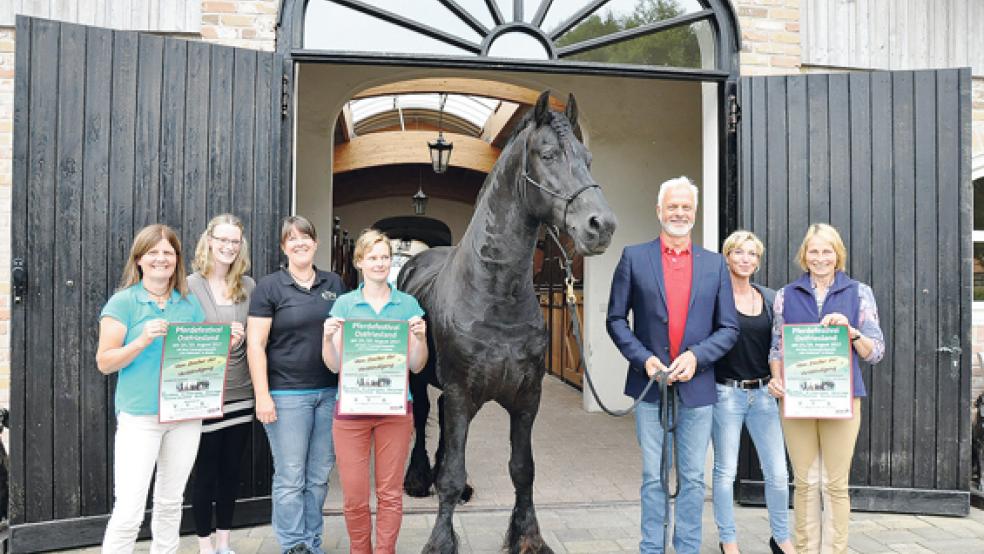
(153, 292)
(354, 435)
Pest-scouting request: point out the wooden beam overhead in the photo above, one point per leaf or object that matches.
(475, 87)
(408, 147)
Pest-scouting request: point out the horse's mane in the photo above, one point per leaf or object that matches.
(558, 122)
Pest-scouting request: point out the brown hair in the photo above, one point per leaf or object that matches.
(300, 223)
(143, 242)
(829, 234)
(203, 256)
(365, 242)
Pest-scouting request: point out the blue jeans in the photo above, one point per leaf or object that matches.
(693, 434)
(760, 412)
(303, 455)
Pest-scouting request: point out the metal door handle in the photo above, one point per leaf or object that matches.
(18, 276)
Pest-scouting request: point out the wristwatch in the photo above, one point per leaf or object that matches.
(856, 337)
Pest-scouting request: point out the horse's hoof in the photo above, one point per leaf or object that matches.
(529, 545)
(416, 488)
(466, 494)
(418, 480)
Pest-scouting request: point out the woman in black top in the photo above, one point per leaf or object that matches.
(743, 399)
(295, 391)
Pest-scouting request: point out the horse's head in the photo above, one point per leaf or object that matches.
(556, 178)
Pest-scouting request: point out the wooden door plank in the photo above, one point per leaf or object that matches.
(18, 244)
(147, 148)
(775, 261)
(196, 136)
(38, 259)
(244, 131)
(925, 282)
(881, 415)
(67, 268)
(949, 415)
(818, 144)
(220, 131)
(173, 98)
(799, 169)
(96, 281)
(859, 252)
(904, 256)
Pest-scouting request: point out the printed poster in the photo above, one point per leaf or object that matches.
(193, 369)
(817, 371)
(373, 379)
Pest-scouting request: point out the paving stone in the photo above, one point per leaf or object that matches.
(592, 546)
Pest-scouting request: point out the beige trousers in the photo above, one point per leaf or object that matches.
(821, 451)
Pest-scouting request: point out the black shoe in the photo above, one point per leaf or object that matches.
(774, 546)
(299, 548)
(721, 546)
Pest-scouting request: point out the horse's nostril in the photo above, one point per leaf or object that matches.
(594, 223)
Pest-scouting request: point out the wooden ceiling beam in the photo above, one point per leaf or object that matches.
(408, 147)
(455, 85)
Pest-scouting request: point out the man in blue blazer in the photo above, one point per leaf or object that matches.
(684, 319)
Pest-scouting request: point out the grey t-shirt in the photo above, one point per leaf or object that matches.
(237, 384)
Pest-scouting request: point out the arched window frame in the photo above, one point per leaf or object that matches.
(718, 13)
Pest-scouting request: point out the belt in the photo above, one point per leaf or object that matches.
(746, 384)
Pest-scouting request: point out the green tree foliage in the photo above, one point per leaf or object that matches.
(675, 47)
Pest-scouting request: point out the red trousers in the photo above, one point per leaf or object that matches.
(354, 440)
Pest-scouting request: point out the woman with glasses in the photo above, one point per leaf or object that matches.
(295, 391)
(222, 287)
(132, 324)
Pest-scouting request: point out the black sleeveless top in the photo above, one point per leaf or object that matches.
(749, 358)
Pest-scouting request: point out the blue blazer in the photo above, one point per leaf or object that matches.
(712, 321)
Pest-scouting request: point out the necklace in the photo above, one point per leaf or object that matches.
(158, 295)
(307, 282)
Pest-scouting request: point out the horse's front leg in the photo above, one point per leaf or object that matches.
(439, 456)
(524, 530)
(451, 476)
(419, 477)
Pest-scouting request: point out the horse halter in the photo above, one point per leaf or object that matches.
(567, 198)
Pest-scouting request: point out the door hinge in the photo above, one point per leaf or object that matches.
(734, 113)
(284, 96)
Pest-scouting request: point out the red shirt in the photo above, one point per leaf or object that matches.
(678, 268)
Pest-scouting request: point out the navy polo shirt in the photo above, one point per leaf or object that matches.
(293, 348)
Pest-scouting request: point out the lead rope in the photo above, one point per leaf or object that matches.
(669, 453)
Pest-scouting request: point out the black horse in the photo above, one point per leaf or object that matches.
(486, 330)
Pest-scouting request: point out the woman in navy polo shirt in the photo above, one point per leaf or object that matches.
(295, 392)
(153, 292)
(824, 295)
(355, 435)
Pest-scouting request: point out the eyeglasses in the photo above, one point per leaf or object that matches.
(227, 242)
(299, 238)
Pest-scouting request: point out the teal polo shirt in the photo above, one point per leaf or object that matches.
(139, 383)
(401, 307)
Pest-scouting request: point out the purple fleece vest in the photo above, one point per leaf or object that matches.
(799, 305)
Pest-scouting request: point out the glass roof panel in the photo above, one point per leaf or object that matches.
(329, 26)
(517, 44)
(474, 109)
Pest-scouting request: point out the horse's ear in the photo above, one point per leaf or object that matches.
(571, 110)
(541, 112)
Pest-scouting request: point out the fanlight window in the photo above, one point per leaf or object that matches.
(667, 33)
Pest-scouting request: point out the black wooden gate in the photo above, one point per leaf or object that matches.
(885, 158)
(114, 130)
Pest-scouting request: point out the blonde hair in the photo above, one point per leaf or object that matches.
(203, 257)
(368, 239)
(829, 234)
(143, 242)
(739, 238)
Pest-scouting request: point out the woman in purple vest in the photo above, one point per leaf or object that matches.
(821, 449)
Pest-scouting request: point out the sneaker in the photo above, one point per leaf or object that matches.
(299, 548)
